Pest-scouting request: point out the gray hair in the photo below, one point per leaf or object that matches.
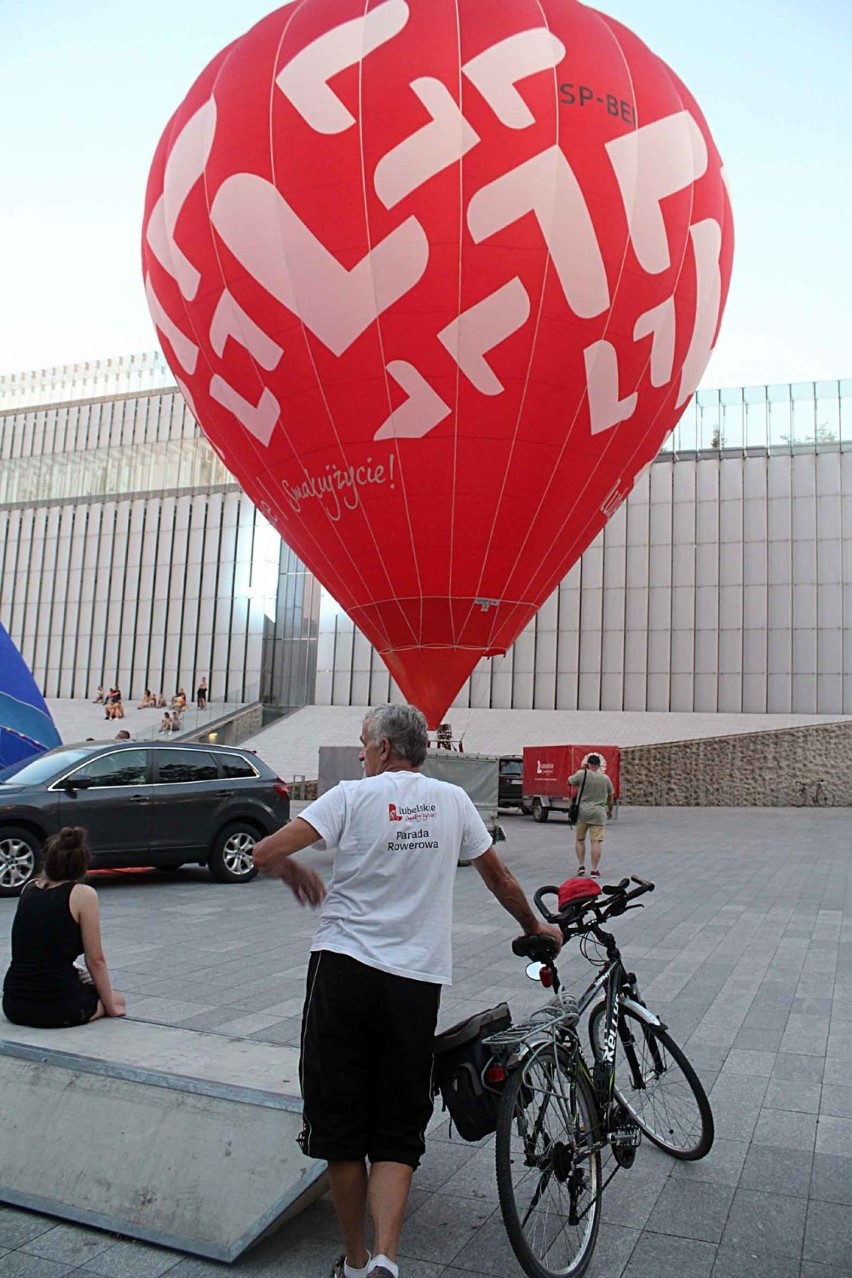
(403, 726)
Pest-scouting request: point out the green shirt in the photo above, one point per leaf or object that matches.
(597, 793)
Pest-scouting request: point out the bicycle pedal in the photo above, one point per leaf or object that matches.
(625, 1137)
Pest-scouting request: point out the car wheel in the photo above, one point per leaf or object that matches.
(539, 811)
(20, 853)
(230, 859)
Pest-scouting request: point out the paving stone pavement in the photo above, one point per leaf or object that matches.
(745, 950)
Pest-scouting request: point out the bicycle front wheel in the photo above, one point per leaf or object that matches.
(548, 1173)
(657, 1085)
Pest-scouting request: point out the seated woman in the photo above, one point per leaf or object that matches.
(99, 699)
(160, 701)
(147, 700)
(58, 919)
(166, 722)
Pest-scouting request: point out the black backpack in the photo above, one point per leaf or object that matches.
(461, 1062)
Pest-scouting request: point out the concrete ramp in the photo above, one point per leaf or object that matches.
(177, 1137)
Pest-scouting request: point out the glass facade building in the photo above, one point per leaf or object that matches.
(128, 554)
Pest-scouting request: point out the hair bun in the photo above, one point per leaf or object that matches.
(72, 836)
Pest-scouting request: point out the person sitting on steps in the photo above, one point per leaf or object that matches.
(58, 919)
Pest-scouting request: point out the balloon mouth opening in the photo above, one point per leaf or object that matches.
(430, 678)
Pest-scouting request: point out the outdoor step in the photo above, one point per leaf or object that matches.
(179, 1137)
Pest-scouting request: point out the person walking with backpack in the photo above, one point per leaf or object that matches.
(595, 793)
(379, 958)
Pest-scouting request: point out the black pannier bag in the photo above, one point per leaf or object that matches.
(461, 1062)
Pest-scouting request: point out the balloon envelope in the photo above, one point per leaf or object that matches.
(26, 727)
(437, 278)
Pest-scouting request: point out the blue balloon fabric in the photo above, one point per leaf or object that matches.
(26, 728)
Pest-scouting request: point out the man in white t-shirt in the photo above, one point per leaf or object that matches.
(380, 955)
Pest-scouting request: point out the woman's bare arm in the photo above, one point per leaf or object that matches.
(84, 906)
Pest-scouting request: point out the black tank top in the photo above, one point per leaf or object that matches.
(46, 939)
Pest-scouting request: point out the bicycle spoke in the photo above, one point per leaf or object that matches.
(544, 1180)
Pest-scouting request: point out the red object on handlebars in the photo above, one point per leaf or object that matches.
(574, 889)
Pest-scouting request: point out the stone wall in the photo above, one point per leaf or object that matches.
(755, 769)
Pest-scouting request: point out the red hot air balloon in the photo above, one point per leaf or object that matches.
(437, 278)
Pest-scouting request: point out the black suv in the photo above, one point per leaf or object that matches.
(143, 803)
(510, 781)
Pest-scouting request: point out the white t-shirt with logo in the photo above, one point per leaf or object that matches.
(397, 839)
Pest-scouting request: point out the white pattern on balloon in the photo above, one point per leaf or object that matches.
(422, 410)
(659, 325)
(230, 320)
(259, 419)
(496, 71)
(706, 246)
(547, 187)
(304, 80)
(482, 327)
(605, 408)
(283, 254)
(184, 166)
(186, 352)
(650, 164)
(429, 150)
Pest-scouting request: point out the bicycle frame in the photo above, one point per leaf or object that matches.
(621, 990)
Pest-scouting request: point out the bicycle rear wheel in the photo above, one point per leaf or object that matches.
(548, 1174)
(657, 1085)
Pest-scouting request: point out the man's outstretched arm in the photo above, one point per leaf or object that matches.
(272, 857)
(501, 882)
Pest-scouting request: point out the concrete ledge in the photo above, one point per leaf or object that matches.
(230, 728)
(181, 1138)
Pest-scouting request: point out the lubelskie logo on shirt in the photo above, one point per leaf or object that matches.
(421, 812)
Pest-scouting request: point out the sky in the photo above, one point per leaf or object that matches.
(86, 87)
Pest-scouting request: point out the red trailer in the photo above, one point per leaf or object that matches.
(546, 773)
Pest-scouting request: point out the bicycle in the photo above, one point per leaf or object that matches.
(556, 1114)
(813, 794)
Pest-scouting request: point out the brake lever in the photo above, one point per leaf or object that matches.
(616, 910)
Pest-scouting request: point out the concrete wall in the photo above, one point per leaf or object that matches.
(756, 769)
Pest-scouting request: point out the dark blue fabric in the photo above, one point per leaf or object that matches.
(26, 727)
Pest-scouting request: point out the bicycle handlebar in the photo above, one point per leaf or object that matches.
(571, 915)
